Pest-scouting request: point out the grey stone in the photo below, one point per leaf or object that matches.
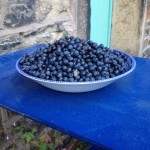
(83, 19)
(42, 8)
(20, 12)
(146, 54)
(9, 42)
(56, 27)
(30, 22)
(29, 33)
(126, 24)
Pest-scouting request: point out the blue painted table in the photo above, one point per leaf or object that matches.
(117, 116)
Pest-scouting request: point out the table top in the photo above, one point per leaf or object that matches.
(117, 116)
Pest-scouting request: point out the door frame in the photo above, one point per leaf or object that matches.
(101, 20)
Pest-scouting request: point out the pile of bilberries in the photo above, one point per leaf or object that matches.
(75, 60)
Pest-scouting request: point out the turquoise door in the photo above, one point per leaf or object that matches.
(101, 16)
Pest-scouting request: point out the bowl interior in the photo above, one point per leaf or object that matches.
(131, 64)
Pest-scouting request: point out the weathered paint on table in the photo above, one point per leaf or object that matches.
(117, 116)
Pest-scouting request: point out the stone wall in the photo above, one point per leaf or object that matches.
(25, 23)
(126, 25)
(145, 37)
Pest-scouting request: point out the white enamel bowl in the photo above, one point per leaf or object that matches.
(77, 87)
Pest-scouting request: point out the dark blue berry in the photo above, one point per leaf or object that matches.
(58, 67)
(89, 74)
(116, 72)
(70, 64)
(48, 73)
(95, 73)
(70, 58)
(65, 79)
(71, 79)
(37, 74)
(101, 45)
(87, 79)
(107, 60)
(76, 53)
(92, 79)
(69, 70)
(59, 74)
(92, 68)
(65, 61)
(64, 68)
(53, 79)
(66, 52)
(98, 77)
(81, 68)
(70, 46)
(33, 67)
(42, 76)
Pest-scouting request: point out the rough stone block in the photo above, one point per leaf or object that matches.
(126, 25)
(148, 12)
(19, 13)
(7, 42)
(146, 54)
(42, 8)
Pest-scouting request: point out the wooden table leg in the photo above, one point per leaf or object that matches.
(8, 121)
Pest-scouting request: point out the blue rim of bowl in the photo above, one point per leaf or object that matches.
(133, 65)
